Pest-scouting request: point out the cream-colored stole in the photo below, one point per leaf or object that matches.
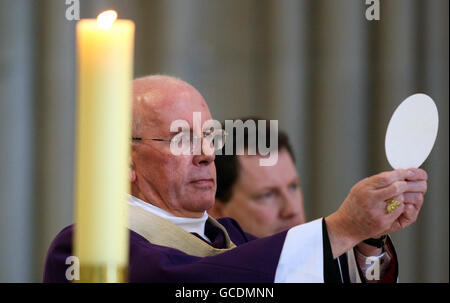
(164, 233)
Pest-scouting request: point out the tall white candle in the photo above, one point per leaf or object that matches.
(105, 67)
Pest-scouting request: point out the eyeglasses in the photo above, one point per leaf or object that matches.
(185, 143)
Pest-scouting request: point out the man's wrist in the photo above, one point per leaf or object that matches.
(341, 240)
(376, 242)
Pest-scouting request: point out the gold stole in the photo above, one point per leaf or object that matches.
(164, 233)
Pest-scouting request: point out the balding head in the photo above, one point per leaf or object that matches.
(183, 185)
(158, 98)
(150, 94)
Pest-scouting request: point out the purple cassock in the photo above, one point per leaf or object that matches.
(154, 263)
(253, 260)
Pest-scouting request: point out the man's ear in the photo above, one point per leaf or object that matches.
(132, 172)
(217, 210)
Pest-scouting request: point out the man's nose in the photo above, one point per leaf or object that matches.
(290, 208)
(205, 158)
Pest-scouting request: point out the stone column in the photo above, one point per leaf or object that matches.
(338, 102)
(288, 99)
(17, 140)
(434, 244)
(55, 109)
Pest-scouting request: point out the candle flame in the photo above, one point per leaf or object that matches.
(106, 19)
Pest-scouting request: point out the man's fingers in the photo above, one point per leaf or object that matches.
(396, 220)
(408, 216)
(416, 186)
(405, 215)
(415, 199)
(399, 198)
(419, 175)
(390, 218)
(395, 189)
(410, 212)
(387, 178)
(395, 226)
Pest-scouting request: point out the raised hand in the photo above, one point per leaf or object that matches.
(363, 213)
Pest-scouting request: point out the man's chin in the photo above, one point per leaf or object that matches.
(201, 203)
(205, 205)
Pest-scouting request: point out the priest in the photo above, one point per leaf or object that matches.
(172, 238)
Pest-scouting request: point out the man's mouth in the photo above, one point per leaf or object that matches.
(207, 182)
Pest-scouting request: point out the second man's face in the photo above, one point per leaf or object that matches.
(266, 199)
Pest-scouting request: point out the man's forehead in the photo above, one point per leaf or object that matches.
(283, 171)
(162, 102)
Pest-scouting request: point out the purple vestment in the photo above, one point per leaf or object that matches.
(253, 260)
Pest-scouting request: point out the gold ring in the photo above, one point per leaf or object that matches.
(392, 205)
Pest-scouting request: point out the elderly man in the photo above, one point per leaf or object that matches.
(268, 199)
(172, 239)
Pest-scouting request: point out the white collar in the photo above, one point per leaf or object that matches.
(192, 225)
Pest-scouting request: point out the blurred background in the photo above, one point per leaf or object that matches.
(331, 77)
